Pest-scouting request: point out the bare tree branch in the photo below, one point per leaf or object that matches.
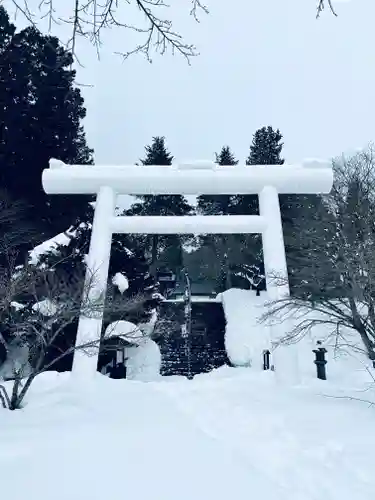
(90, 18)
(321, 6)
(334, 244)
(54, 301)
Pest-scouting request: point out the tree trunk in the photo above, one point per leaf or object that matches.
(154, 253)
(359, 326)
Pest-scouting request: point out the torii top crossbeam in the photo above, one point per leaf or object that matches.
(267, 181)
(187, 179)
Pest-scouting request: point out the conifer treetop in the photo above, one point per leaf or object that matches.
(225, 157)
(266, 147)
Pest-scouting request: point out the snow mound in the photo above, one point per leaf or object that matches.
(245, 338)
(143, 362)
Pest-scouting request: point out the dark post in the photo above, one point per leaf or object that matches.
(320, 361)
(186, 328)
(266, 359)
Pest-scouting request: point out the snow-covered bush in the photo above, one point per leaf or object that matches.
(52, 304)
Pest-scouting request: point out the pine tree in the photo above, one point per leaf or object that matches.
(41, 114)
(218, 204)
(126, 258)
(222, 246)
(67, 266)
(266, 147)
(157, 154)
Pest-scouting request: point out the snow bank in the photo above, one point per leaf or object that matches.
(144, 362)
(230, 434)
(245, 338)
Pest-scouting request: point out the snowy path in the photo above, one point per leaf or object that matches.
(312, 446)
(212, 438)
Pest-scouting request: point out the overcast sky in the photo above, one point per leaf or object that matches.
(262, 62)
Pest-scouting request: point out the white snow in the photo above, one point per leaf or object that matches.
(125, 329)
(121, 281)
(195, 164)
(45, 307)
(245, 338)
(17, 305)
(154, 180)
(49, 246)
(143, 362)
(188, 224)
(197, 298)
(234, 433)
(54, 163)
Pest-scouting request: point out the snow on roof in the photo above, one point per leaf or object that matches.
(45, 307)
(51, 245)
(17, 305)
(125, 329)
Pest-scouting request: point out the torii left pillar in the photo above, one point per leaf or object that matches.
(85, 360)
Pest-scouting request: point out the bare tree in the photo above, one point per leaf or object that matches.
(53, 303)
(336, 261)
(322, 5)
(90, 18)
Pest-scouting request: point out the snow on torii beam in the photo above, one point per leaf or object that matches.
(88, 179)
(268, 181)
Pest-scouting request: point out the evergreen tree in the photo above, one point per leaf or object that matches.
(67, 266)
(218, 204)
(266, 147)
(222, 246)
(157, 154)
(126, 258)
(41, 114)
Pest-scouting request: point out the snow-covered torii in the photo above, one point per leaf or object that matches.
(267, 181)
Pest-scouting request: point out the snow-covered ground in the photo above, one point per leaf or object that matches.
(235, 433)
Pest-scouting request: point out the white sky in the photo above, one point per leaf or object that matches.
(262, 62)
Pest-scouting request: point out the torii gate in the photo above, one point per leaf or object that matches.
(267, 181)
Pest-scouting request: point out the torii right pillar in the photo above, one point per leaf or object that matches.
(285, 360)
